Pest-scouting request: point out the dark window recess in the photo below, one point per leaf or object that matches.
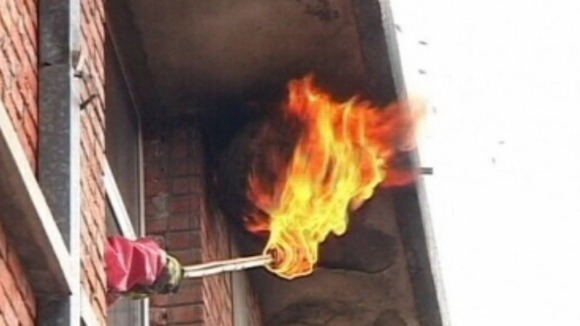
(122, 136)
(123, 154)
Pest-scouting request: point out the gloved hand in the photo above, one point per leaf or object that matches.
(139, 268)
(167, 282)
(171, 277)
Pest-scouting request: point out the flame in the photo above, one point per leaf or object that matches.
(344, 151)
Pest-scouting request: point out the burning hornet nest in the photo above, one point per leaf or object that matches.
(295, 175)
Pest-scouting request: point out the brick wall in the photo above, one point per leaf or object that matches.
(19, 70)
(255, 318)
(18, 93)
(93, 198)
(173, 201)
(217, 289)
(17, 302)
(177, 212)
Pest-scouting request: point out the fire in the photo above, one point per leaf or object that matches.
(344, 151)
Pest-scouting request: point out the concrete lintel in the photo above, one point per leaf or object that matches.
(27, 218)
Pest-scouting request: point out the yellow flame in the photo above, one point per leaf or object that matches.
(341, 157)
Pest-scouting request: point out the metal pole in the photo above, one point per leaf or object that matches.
(223, 266)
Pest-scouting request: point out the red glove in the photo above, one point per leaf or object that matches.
(132, 263)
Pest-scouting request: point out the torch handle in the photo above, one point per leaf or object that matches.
(223, 266)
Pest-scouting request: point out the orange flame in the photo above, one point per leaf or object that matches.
(344, 152)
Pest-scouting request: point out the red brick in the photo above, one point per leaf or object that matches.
(182, 240)
(5, 16)
(31, 6)
(99, 300)
(12, 110)
(31, 129)
(185, 296)
(187, 256)
(31, 37)
(14, 63)
(182, 222)
(18, 43)
(18, 103)
(24, 317)
(101, 8)
(12, 9)
(91, 273)
(30, 100)
(183, 167)
(154, 187)
(191, 283)
(187, 214)
(157, 226)
(8, 313)
(153, 174)
(15, 267)
(185, 314)
(182, 204)
(10, 289)
(158, 316)
(187, 185)
(5, 79)
(92, 144)
(19, 71)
